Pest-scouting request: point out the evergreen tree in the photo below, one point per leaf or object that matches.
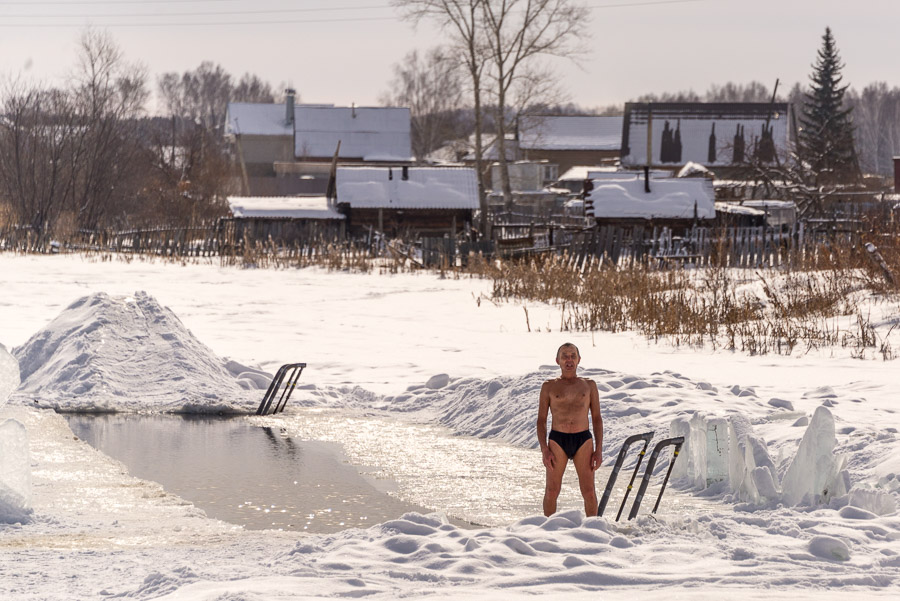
(826, 136)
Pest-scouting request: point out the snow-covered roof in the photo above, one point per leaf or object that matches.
(692, 169)
(257, 119)
(571, 132)
(426, 188)
(583, 172)
(368, 133)
(736, 209)
(371, 134)
(721, 133)
(771, 204)
(668, 198)
(276, 207)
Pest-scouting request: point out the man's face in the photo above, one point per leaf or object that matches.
(568, 359)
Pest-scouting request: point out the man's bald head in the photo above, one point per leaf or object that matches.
(567, 345)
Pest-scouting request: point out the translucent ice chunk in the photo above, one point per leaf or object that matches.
(814, 475)
(15, 473)
(9, 374)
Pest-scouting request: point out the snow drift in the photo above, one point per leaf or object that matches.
(106, 353)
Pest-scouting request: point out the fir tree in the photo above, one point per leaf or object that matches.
(826, 135)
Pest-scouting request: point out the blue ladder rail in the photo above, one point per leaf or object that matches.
(290, 370)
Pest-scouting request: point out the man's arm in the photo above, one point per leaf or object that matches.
(543, 411)
(597, 422)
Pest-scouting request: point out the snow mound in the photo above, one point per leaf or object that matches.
(106, 353)
(15, 473)
(828, 547)
(9, 374)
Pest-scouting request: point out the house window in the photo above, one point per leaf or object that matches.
(551, 173)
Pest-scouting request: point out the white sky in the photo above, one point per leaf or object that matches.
(342, 51)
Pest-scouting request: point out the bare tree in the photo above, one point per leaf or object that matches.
(734, 92)
(202, 94)
(518, 32)
(430, 86)
(876, 115)
(36, 155)
(463, 21)
(109, 94)
(251, 88)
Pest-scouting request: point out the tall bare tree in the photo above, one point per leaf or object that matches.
(430, 86)
(109, 94)
(518, 32)
(462, 20)
(37, 144)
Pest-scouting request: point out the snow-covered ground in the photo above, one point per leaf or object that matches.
(805, 461)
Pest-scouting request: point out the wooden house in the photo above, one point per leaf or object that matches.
(399, 200)
(285, 149)
(283, 219)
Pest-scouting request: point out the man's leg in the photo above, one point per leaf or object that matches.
(582, 462)
(554, 478)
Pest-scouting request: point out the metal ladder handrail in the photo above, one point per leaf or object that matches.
(295, 370)
(646, 436)
(648, 472)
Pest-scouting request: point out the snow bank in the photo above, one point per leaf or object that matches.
(15, 473)
(107, 353)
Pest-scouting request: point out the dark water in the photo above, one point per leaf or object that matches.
(243, 474)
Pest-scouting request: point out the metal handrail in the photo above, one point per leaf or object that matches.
(295, 369)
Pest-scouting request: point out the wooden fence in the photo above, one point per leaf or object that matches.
(747, 247)
(622, 246)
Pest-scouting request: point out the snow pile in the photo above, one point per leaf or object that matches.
(816, 474)
(15, 473)
(107, 353)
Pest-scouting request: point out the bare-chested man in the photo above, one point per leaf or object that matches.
(569, 399)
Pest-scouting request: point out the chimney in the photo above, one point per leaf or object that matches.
(353, 109)
(289, 94)
(897, 175)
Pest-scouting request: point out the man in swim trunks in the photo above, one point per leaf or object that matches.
(568, 399)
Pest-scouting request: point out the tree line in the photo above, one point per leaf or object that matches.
(86, 155)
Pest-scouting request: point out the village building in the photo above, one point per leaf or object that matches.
(401, 200)
(283, 219)
(722, 136)
(566, 141)
(287, 148)
(630, 199)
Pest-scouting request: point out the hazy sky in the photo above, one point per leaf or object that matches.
(342, 51)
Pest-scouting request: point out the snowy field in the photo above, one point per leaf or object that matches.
(428, 384)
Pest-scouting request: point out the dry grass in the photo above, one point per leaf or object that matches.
(763, 311)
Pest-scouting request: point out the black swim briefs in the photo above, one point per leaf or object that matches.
(570, 442)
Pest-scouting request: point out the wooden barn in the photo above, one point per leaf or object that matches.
(284, 219)
(406, 200)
